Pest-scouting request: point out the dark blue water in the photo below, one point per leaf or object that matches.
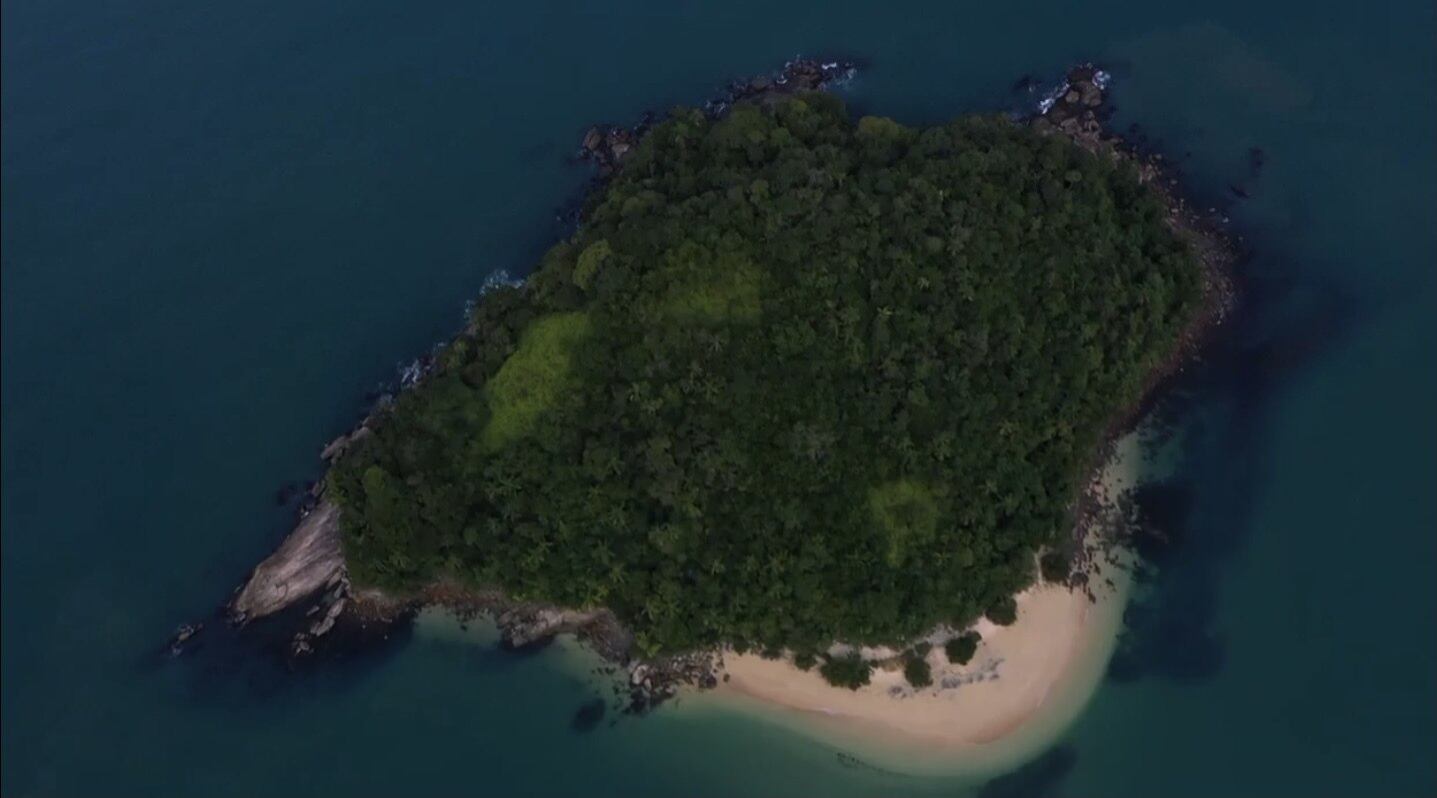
(224, 224)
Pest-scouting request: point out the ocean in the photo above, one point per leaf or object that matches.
(225, 226)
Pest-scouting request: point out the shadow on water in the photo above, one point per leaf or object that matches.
(589, 714)
(1188, 525)
(1037, 779)
(225, 666)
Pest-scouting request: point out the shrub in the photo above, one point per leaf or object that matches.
(849, 671)
(1004, 612)
(1054, 566)
(960, 649)
(917, 672)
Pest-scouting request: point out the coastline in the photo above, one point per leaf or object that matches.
(1066, 640)
(1024, 686)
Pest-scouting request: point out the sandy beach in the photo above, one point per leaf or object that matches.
(1024, 685)
(1010, 678)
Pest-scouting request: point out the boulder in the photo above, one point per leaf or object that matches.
(183, 635)
(526, 627)
(592, 139)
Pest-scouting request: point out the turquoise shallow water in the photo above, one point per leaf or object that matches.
(224, 224)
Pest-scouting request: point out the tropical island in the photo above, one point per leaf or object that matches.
(798, 384)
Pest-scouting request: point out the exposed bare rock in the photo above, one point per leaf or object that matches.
(327, 622)
(306, 562)
(184, 635)
(337, 447)
(522, 627)
(655, 680)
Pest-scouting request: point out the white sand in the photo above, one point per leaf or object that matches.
(1047, 665)
(1012, 675)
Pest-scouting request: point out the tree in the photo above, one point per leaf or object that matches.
(960, 649)
(1054, 567)
(848, 670)
(917, 671)
(1003, 612)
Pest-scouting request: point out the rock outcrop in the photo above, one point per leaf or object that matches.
(607, 145)
(308, 561)
(184, 636)
(656, 680)
(339, 445)
(522, 628)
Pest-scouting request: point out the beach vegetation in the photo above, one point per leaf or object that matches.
(917, 671)
(1054, 567)
(847, 670)
(961, 649)
(1003, 612)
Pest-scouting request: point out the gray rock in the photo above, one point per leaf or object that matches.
(592, 139)
(183, 635)
(305, 562)
(338, 446)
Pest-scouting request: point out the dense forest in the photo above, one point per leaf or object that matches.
(795, 379)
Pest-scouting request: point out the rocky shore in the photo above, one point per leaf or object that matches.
(606, 145)
(307, 574)
(1076, 109)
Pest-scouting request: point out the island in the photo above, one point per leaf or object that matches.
(803, 395)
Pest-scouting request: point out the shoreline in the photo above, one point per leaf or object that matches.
(1022, 689)
(1074, 617)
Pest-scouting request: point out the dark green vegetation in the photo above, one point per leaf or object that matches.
(917, 671)
(1054, 567)
(796, 379)
(1003, 612)
(960, 649)
(849, 670)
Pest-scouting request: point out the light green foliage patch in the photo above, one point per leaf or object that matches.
(906, 514)
(534, 377)
(590, 261)
(705, 287)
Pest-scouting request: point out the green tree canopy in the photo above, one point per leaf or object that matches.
(917, 671)
(849, 670)
(961, 649)
(795, 379)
